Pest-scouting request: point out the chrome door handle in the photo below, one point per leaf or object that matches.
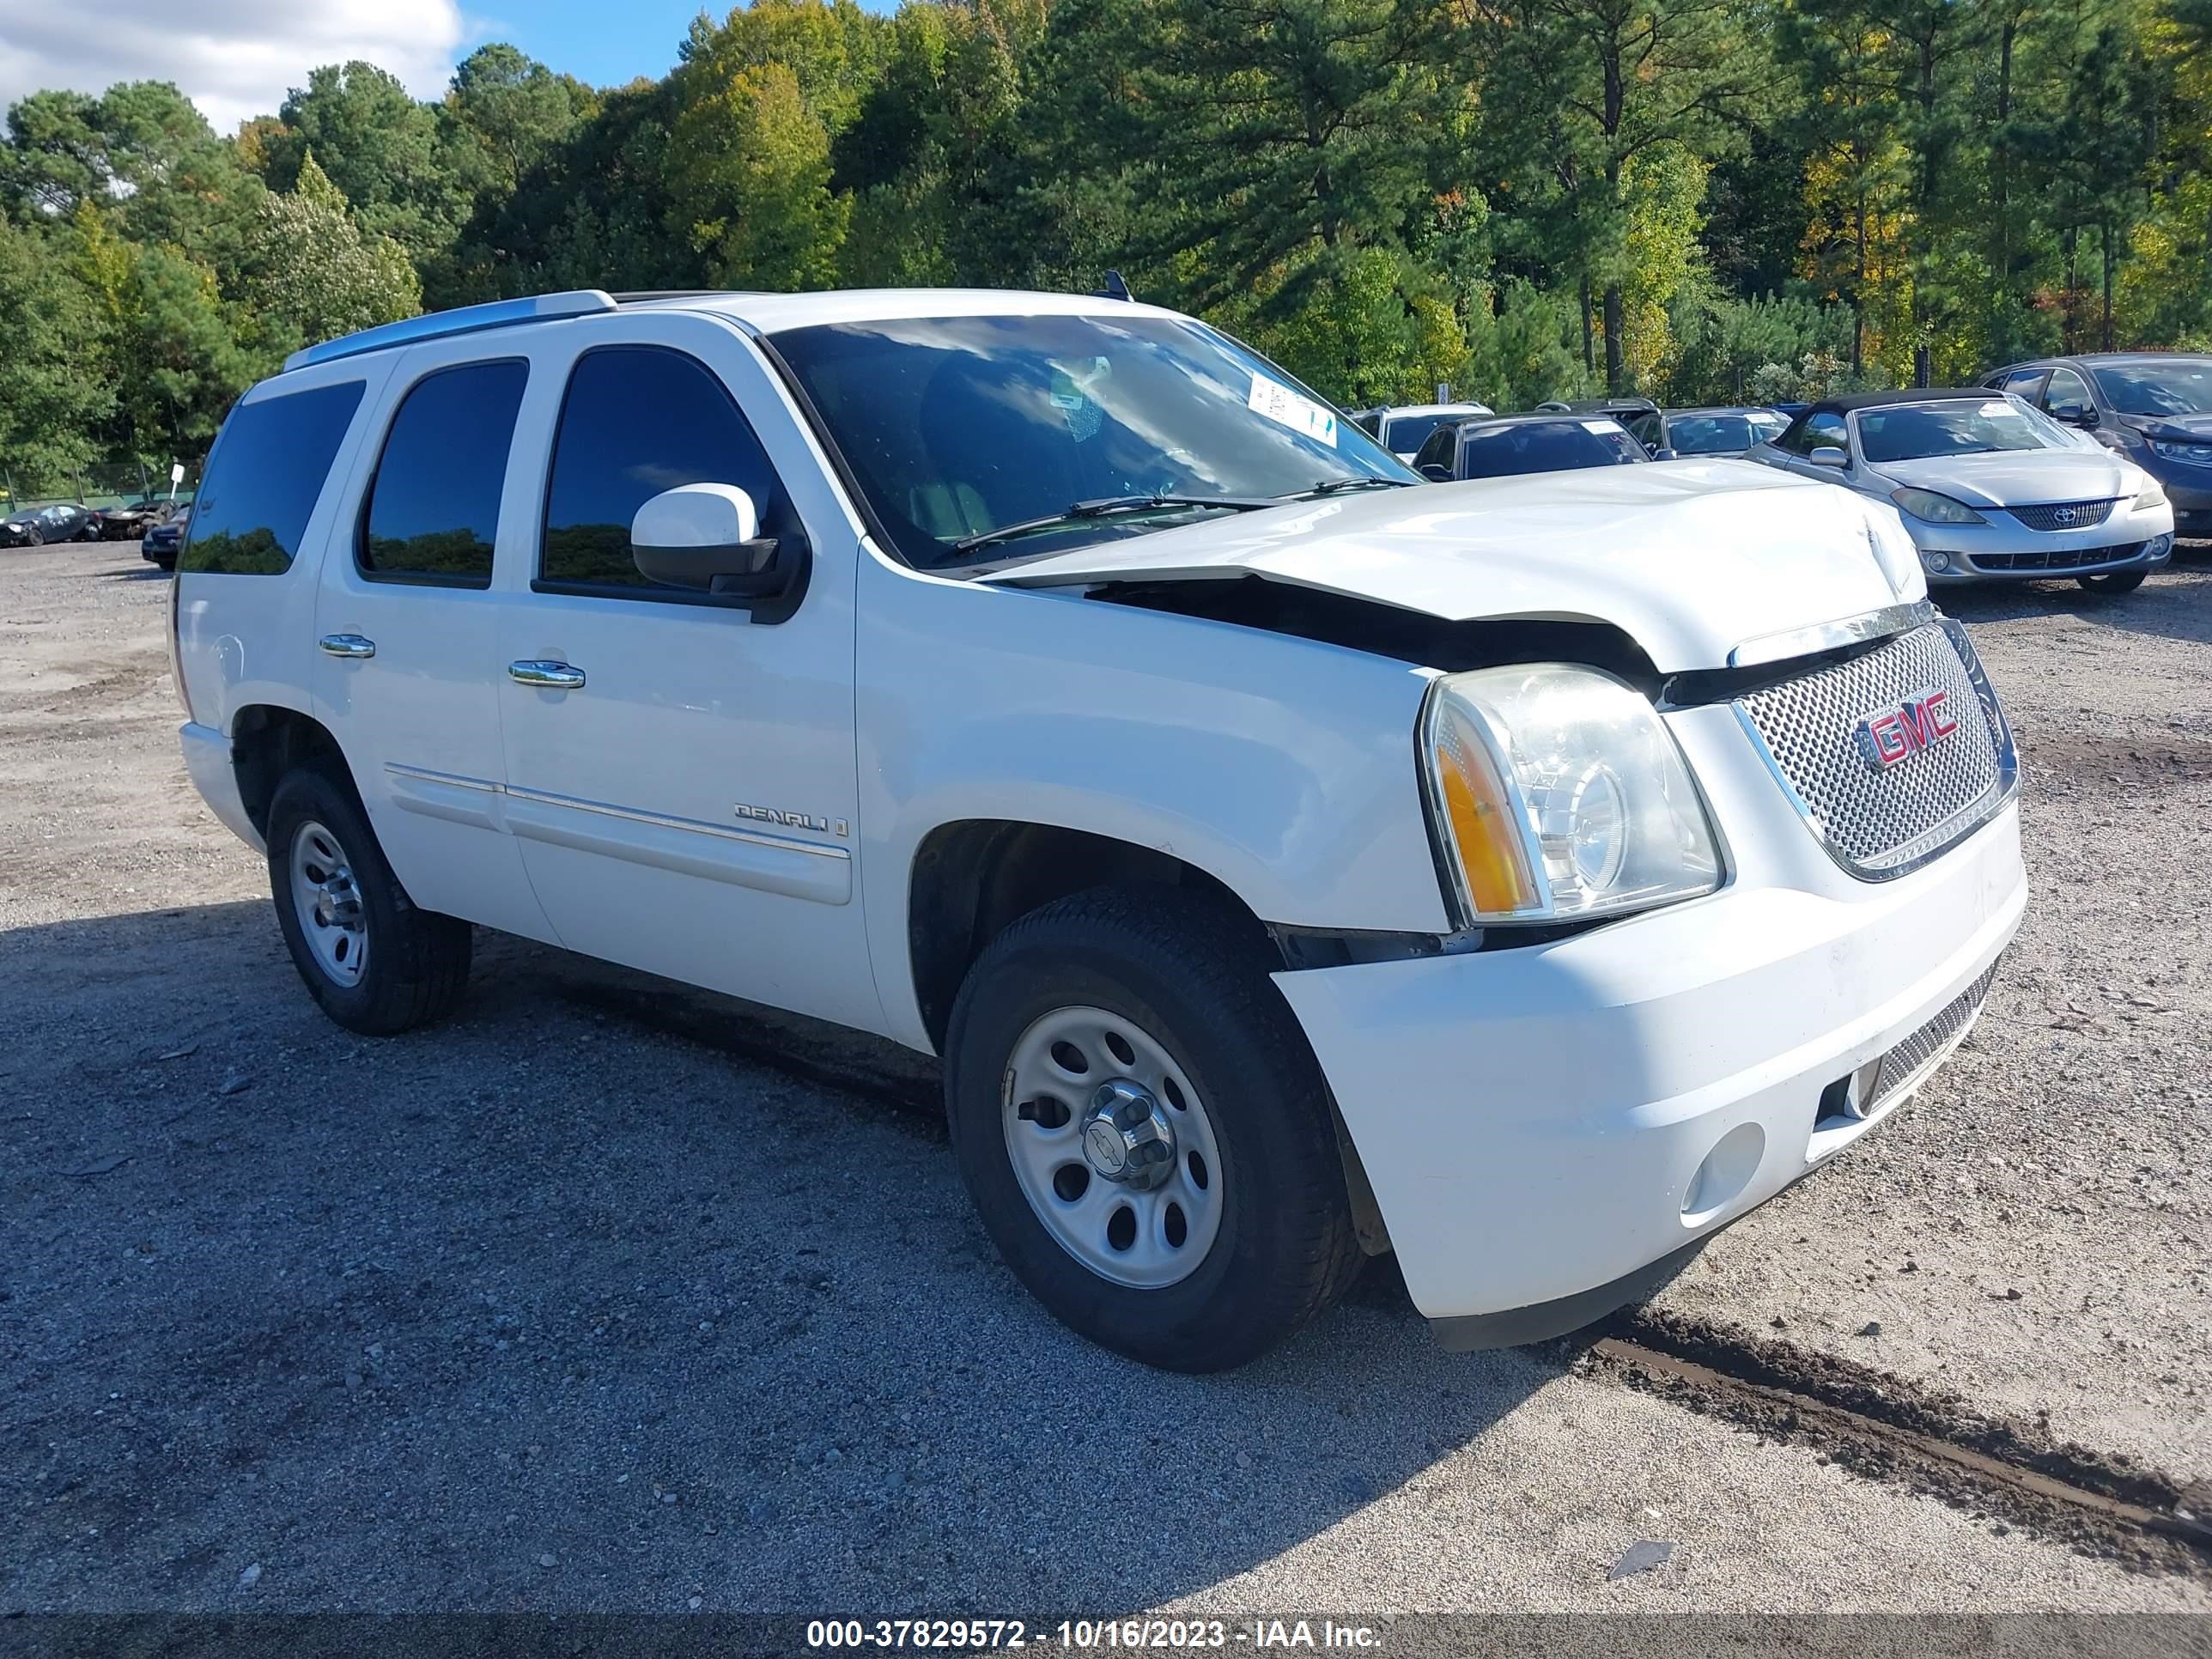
(552, 676)
(347, 645)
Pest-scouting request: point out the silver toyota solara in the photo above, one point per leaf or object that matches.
(1991, 489)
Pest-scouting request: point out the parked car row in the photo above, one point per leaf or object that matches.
(72, 521)
(2082, 467)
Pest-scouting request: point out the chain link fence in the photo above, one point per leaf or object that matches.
(106, 483)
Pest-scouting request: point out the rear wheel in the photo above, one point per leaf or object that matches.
(2113, 583)
(375, 963)
(1145, 1132)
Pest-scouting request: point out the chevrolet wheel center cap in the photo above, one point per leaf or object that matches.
(1104, 1144)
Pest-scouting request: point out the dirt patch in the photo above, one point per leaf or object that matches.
(1878, 1425)
(2104, 764)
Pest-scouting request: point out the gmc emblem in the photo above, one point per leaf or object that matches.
(1887, 736)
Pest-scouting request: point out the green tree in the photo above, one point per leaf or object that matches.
(312, 272)
(937, 157)
(2097, 173)
(1575, 91)
(52, 397)
(750, 182)
(388, 155)
(1279, 138)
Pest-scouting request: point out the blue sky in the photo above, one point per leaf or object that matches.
(605, 44)
(235, 58)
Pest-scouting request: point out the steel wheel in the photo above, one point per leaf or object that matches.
(328, 904)
(1112, 1147)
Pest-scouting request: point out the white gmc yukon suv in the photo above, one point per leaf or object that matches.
(1289, 860)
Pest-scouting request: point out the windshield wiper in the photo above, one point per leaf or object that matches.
(1331, 486)
(1105, 507)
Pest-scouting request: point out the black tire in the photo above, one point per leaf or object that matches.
(417, 960)
(2113, 583)
(34, 536)
(1193, 974)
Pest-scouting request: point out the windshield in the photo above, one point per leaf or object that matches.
(955, 427)
(1711, 435)
(1920, 432)
(2180, 387)
(1548, 446)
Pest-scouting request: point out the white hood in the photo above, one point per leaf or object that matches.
(1689, 558)
(2020, 478)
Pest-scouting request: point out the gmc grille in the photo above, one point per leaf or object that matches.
(1880, 821)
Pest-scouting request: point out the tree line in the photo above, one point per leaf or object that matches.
(1698, 200)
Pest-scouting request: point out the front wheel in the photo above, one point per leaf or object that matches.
(1144, 1129)
(375, 963)
(2113, 583)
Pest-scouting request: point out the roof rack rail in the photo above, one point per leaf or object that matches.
(462, 319)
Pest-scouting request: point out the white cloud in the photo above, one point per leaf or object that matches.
(234, 59)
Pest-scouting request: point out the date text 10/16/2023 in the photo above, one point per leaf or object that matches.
(1083, 1635)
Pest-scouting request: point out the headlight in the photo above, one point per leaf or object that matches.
(2176, 450)
(1557, 792)
(1931, 509)
(2150, 496)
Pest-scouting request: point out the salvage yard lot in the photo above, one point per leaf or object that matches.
(610, 1295)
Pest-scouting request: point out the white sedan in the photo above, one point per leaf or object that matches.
(1990, 489)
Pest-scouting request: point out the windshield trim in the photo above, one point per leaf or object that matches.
(856, 500)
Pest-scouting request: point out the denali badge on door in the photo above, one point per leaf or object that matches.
(1887, 736)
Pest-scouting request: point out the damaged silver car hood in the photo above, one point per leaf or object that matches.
(1691, 559)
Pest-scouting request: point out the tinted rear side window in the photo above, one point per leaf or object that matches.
(638, 420)
(263, 478)
(1410, 432)
(433, 507)
(1548, 446)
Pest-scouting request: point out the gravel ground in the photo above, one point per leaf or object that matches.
(2035, 1233)
(559, 1306)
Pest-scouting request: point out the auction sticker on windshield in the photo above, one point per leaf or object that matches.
(1281, 404)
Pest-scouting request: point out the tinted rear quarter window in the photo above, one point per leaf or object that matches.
(433, 510)
(269, 464)
(636, 420)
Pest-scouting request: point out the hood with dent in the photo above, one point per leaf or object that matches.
(1689, 558)
(2018, 478)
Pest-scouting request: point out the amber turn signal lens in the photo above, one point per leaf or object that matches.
(1486, 832)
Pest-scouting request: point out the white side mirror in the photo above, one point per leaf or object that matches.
(688, 536)
(1830, 455)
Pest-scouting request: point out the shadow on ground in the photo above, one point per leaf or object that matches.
(553, 1306)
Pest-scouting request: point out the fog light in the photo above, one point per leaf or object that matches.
(1725, 1173)
(1936, 563)
(2159, 546)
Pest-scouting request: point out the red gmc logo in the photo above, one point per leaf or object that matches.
(1889, 735)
